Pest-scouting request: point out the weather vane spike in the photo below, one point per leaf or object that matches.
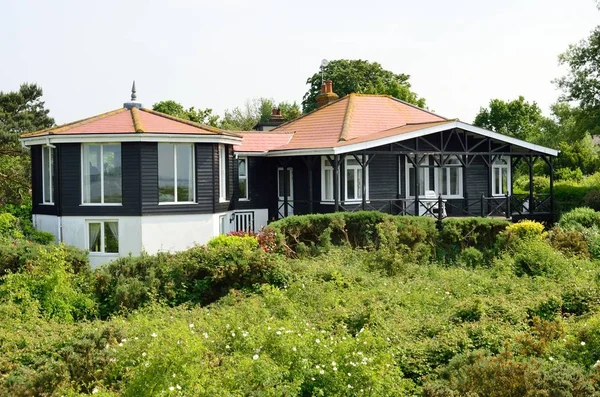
(133, 96)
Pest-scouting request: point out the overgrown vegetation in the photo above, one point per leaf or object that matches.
(340, 304)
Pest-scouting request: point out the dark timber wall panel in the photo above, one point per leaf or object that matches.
(70, 182)
(149, 184)
(260, 183)
(227, 205)
(383, 176)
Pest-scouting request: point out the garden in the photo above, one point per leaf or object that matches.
(340, 304)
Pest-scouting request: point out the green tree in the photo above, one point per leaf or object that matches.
(20, 111)
(256, 111)
(202, 116)
(582, 82)
(362, 77)
(517, 118)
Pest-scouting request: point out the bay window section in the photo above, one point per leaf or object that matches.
(501, 176)
(243, 178)
(47, 175)
(103, 237)
(101, 176)
(175, 173)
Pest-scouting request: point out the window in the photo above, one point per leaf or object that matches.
(446, 180)
(501, 176)
(103, 237)
(47, 175)
(101, 174)
(175, 173)
(353, 183)
(222, 174)
(326, 180)
(243, 178)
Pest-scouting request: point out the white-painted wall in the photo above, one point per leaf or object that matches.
(46, 223)
(150, 234)
(177, 232)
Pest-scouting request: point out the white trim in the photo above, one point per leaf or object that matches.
(352, 147)
(501, 167)
(193, 176)
(291, 184)
(325, 165)
(245, 177)
(222, 155)
(139, 137)
(355, 168)
(51, 175)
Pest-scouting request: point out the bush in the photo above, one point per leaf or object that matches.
(471, 257)
(9, 226)
(580, 218)
(570, 242)
(537, 258)
(525, 230)
(458, 234)
(592, 200)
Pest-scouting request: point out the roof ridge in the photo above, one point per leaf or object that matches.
(62, 127)
(309, 113)
(137, 123)
(208, 128)
(347, 118)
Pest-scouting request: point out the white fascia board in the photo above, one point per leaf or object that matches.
(250, 154)
(138, 137)
(443, 127)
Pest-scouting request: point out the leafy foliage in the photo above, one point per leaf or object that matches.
(361, 77)
(202, 116)
(256, 111)
(517, 118)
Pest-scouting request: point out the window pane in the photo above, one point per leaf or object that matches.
(112, 173)
(444, 180)
(454, 181)
(111, 237)
(242, 167)
(242, 188)
(185, 178)
(351, 161)
(504, 180)
(328, 184)
(359, 183)
(411, 181)
(166, 173)
(222, 173)
(350, 184)
(47, 165)
(92, 165)
(280, 183)
(94, 237)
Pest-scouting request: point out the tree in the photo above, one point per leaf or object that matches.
(20, 111)
(582, 82)
(362, 77)
(192, 114)
(256, 111)
(517, 118)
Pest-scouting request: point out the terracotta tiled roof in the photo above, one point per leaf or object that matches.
(260, 142)
(354, 116)
(394, 132)
(129, 121)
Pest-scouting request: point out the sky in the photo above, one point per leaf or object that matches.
(218, 54)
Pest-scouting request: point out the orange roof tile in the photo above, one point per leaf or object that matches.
(394, 132)
(262, 141)
(353, 116)
(129, 121)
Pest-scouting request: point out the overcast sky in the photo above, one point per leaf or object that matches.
(218, 54)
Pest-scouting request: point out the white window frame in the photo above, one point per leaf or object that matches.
(102, 203)
(102, 237)
(246, 196)
(499, 166)
(48, 184)
(325, 165)
(222, 174)
(436, 178)
(193, 160)
(355, 168)
(447, 169)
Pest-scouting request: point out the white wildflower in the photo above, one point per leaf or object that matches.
(294, 348)
(317, 341)
(255, 357)
(178, 387)
(191, 325)
(244, 334)
(227, 347)
(551, 358)
(205, 335)
(144, 354)
(321, 372)
(95, 390)
(171, 388)
(582, 343)
(154, 335)
(232, 333)
(333, 364)
(278, 332)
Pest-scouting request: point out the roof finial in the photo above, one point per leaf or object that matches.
(133, 96)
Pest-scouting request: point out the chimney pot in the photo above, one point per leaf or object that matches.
(327, 95)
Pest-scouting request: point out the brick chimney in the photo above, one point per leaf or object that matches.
(276, 116)
(327, 95)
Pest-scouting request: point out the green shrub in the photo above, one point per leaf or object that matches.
(457, 234)
(234, 242)
(472, 258)
(469, 312)
(579, 218)
(537, 258)
(524, 230)
(49, 286)
(580, 300)
(9, 226)
(592, 200)
(547, 309)
(570, 242)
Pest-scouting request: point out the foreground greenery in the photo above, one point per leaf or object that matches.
(343, 304)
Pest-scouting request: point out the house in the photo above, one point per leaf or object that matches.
(134, 180)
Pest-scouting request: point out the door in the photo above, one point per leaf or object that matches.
(285, 187)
